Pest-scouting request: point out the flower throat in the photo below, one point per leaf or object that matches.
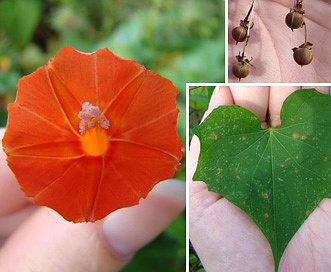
(92, 127)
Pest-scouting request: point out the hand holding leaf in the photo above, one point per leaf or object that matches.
(253, 170)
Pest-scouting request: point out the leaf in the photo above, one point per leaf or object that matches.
(19, 19)
(277, 176)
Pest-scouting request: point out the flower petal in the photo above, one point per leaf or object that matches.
(68, 186)
(134, 171)
(36, 118)
(149, 116)
(97, 78)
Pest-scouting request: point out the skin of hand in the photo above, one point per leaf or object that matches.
(224, 237)
(38, 239)
(271, 41)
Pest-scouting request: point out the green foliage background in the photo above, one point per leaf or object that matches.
(182, 40)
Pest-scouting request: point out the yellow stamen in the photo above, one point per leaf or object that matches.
(95, 141)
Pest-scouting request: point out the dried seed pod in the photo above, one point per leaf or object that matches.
(241, 69)
(303, 54)
(294, 20)
(239, 33)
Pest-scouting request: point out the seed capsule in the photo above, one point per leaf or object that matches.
(294, 20)
(241, 69)
(239, 34)
(303, 54)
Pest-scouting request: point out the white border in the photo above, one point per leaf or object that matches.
(187, 148)
(226, 40)
(257, 84)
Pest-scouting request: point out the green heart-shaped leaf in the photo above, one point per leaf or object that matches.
(277, 176)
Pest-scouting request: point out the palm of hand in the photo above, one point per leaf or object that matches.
(241, 246)
(271, 41)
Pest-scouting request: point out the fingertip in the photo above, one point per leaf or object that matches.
(321, 89)
(278, 94)
(193, 156)
(275, 121)
(253, 98)
(11, 197)
(264, 125)
(129, 229)
(221, 96)
(172, 189)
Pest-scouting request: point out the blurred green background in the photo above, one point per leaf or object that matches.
(183, 40)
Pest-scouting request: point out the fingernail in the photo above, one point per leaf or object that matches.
(275, 122)
(264, 125)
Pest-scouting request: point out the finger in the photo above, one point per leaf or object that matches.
(321, 89)
(252, 98)
(278, 95)
(200, 197)
(46, 242)
(11, 197)
(130, 229)
(221, 96)
(11, 222)
(312, 239)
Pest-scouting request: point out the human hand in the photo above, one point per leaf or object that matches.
(271, 41)
(38, 239)
(224, 237)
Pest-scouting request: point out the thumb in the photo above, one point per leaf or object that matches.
(46, 242)
(277, 97)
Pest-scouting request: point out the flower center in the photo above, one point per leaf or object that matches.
(95, 141)
(93, 127)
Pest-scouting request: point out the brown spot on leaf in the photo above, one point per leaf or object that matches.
(314, 138)
(265, 195)
(266, 215)
(282, 165)
(295, 135)
(214, 136)
(238, 177)
(243, 138)
(326, 159)
(303, 137)
(308, 213)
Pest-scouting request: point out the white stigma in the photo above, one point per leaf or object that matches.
(91, 116)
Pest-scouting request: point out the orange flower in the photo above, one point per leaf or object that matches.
(91, 133)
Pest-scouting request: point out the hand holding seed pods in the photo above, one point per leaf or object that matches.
(243, 32)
